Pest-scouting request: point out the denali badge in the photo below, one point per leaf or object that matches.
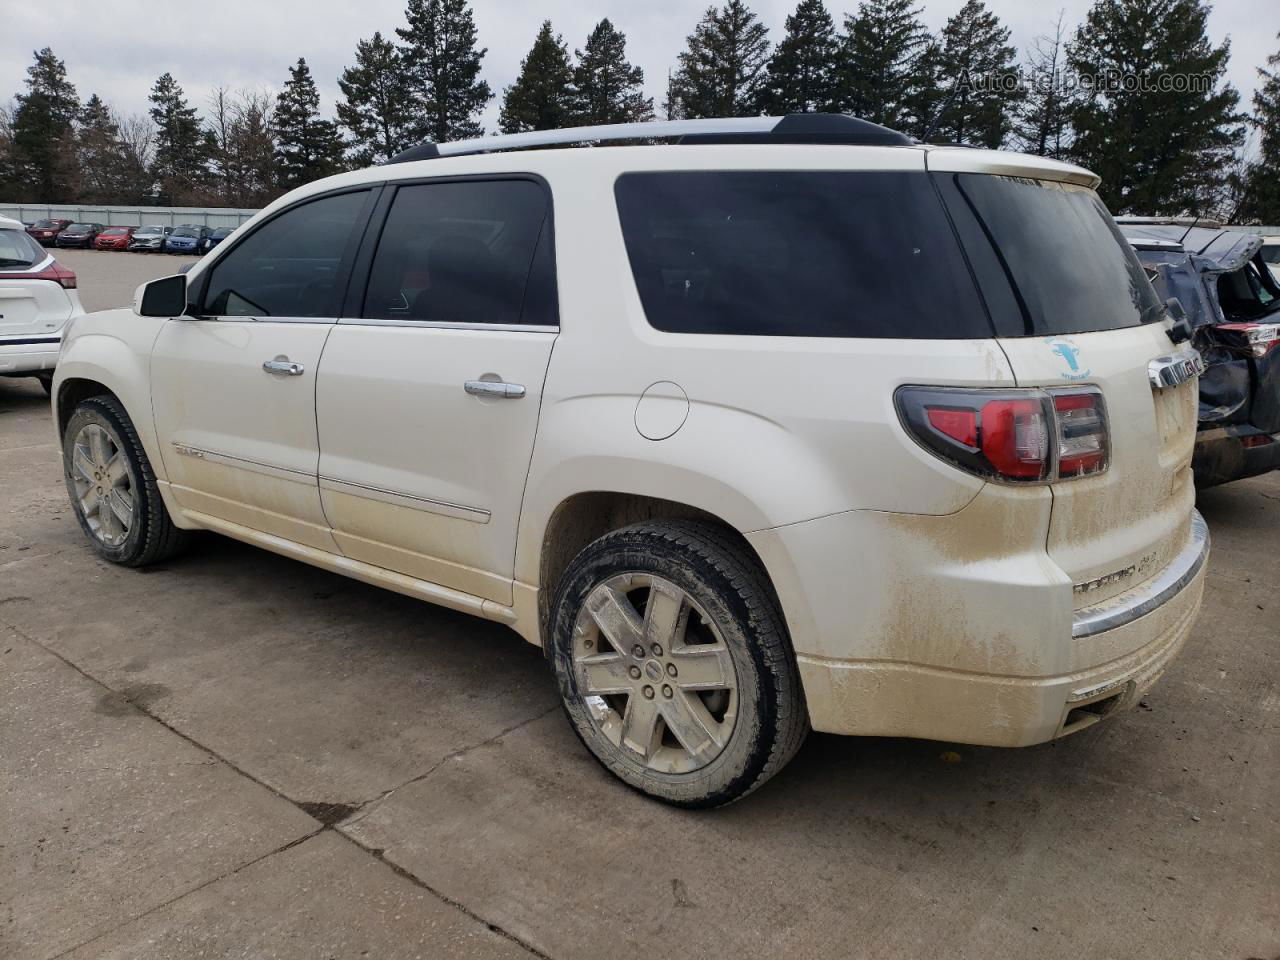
(1170, 371)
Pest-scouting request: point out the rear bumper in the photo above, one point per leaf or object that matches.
(27, 356)
(1224, 454)
(1013, 667)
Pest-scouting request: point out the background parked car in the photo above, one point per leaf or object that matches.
(1233, 304)
(45, 232)
(79, 235)
(1270, 253)
(215, 238)
(149, 239)
(39, 297)
(186, 238)
(114, 238)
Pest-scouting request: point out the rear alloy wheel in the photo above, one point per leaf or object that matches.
(674, 663)
(112, 487)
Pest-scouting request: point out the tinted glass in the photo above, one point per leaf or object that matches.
(1271, 253)
(19, 250)
(1070, 269)
(463, 253)
(44, 224)
(812, 254)
(291, 266)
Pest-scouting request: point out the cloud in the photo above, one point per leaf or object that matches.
(117, 49)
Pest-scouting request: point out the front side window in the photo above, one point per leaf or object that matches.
(797, 253)
(476, 251)
(290, 266)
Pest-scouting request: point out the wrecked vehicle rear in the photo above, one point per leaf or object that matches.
(1232, 301)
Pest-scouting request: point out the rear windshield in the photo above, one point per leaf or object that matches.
(797, 253)
(44, 224)
(1068, 266)
(19, 250)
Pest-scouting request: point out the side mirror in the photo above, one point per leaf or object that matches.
(1181, 329)
(166, 297)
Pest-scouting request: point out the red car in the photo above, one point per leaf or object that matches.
(114, 238)
(45, 232)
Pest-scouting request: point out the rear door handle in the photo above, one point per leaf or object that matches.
(283, 365)
(494, 388)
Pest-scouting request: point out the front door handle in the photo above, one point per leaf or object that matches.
(494, 388)
(283, 365)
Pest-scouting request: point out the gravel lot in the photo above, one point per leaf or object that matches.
(238, 755)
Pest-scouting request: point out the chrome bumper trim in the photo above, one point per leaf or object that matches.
(1158, 590)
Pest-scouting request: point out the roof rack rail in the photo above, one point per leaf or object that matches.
(832, 128)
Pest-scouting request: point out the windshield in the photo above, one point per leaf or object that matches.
(1056, 250)
(148, 231)
(115, 231)
(79, 228)
(185, 232)
(18, 250)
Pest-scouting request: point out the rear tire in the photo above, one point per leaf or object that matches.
(674, 663)
(113, 488)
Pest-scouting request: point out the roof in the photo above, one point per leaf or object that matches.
(8, 224)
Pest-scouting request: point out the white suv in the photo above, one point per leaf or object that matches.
(37, 298)
(791, 423)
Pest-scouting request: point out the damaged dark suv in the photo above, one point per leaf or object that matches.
(1232, 302)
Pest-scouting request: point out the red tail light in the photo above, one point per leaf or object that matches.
(1022, 436)
(55, 271)
(1262, 338)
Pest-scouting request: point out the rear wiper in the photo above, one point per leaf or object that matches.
(9, 262)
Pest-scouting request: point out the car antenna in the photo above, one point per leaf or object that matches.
(1194, 221)
(946, 105)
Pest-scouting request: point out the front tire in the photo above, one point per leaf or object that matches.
(674, 663)
(113, 488)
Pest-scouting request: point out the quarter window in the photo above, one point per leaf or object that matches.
(292, 266)
(465, 252)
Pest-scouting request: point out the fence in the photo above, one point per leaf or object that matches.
(126, 216)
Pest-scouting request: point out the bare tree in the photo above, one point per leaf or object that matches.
(1043, 125)
(241, 127)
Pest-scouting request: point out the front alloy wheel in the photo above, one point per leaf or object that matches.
(102, 484)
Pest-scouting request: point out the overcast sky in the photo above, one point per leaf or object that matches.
(116, 48)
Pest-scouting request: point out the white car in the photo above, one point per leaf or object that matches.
(791, 423)
(37, 299)
(1271, 255)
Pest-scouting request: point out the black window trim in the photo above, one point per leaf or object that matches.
(375, 189)
(358, 285)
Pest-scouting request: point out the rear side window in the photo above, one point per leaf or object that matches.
(476, 251)
(797, 253)
(1069, 267)
(19, 250)
(292, 266)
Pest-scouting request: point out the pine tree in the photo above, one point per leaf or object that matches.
(542, 97)
(801, 74)
(977, 67)
(1043, 125)
(607, 88)
(882, 64)
(376, 107)
(1261, 202)
(308, 147)
(181, 146)
(42, 129)
(722, 68)
(100, 156)
(1158, 151)
(442, 67)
